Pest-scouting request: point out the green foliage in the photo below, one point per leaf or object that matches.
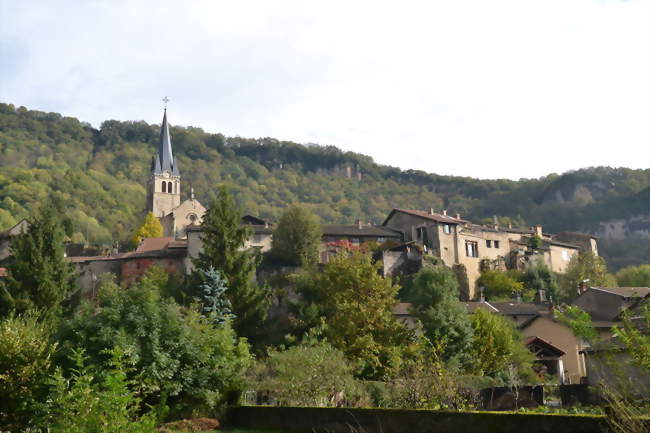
(296, 240)
(102, 173)
(434, 295)
(538, 276)
(150, 228)
(38, 275)
(498, 347)
(585, 266)
(26, 354)
(635, 337)
(423, 382)
(176, 352)
(579, 321)
(224, 238)
(634, 276)
(534, 242)
(307, 375)
(499, 285)
(214, 303)
(95, 401)
(355, 304)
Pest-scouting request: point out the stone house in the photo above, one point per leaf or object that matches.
(459, 242)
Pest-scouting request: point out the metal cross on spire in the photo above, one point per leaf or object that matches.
(165, 100)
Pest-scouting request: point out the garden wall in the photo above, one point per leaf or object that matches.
(341, 420)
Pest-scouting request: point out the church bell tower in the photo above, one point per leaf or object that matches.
(164, 187)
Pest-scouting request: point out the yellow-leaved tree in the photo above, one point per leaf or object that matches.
(150, 228)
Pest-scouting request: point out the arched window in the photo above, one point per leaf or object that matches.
(164, 186)
(169, 187)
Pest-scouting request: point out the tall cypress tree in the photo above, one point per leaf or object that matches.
(38, 275)
(224, 238)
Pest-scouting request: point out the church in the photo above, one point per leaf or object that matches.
(164, 190)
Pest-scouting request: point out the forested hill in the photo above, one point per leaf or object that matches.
(100, 176)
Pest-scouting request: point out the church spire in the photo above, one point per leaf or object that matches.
(165, 158)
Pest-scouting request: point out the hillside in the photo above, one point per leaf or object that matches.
(100, 176)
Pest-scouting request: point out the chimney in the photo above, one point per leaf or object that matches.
(431, 212)
(518, 298)
(359, 224)
(444, 212)
(582, 287)
(496, 223)
(457, 216)
(541, 296)
(509, 225)
(538, 230)
(266, 224)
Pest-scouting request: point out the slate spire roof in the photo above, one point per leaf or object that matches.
(164, 159)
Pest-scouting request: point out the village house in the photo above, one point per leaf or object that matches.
(458, 242)
(554, 345)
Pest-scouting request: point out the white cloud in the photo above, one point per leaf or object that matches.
(487, 89)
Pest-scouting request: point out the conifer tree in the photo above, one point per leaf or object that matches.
(38, 275)
(214, 302)
(224, 238)
(150, 228)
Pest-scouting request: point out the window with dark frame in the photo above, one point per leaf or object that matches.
(488, 243)
(496, 244)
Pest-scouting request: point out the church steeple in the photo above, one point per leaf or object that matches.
(164, 189)
(164, 160)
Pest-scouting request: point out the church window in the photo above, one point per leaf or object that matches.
(192, 217)
(164, 186)
(169, 187)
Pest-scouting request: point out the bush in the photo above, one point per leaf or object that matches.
(176, 352)
(499, 285)
(423, 382)
(93, 401)
(25, 362)
(308, 375)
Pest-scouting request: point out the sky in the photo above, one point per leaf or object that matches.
(487, 89)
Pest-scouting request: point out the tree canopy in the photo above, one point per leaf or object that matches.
(297, 237)
(38, 276)
(434, 295)
(150, 228)
(354, 304)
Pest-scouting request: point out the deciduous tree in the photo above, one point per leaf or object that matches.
(297, 238)
(356, 304)
(150, 228)
(497, 346)
(434, 295)
(585, 266)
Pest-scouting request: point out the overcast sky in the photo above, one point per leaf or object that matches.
(475, 88)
